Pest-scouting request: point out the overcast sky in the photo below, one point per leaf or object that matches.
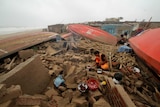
(48, 12)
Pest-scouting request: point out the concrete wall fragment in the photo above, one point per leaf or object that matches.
(31, 75)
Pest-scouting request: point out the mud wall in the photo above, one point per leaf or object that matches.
(31, 75)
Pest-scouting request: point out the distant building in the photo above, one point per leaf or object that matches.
(58, 28)
(113, 19)
(148, 25)
(144, 26)
(45, 30)
(117, 29)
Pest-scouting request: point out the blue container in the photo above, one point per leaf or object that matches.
(58, 81)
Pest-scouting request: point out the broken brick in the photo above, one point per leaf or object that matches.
(50, 51)
(95, 93)
(138, 83)
(130, 90)
(51, 92)
(13, 92)
(68, 94)
(57, 98)
(71, 105)
(71, 79)
(61, 88)
(101, 103)
(25, 54)
(63, 102)
(70, 71)
(29, 100)
(56, 70)
(91, 100)
(6, 104)
(76, 93)
(72, 86)
(80, 102)
(3, 90)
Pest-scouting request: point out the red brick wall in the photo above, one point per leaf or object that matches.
(117, 96)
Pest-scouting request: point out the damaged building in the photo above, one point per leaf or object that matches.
(57, 28)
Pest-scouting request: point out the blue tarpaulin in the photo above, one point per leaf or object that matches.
(124, 48)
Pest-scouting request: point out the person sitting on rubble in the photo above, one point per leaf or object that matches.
(101, 61)
(104, 65)
(126, 35)
(123, 39)
(98, 58)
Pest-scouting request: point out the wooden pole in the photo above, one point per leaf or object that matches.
(145, 27)
(110, 61)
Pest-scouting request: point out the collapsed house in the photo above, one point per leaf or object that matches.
(31, 82)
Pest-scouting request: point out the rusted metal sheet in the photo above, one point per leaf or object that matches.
(17, 42)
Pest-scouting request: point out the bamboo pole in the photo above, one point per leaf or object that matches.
(110, 61)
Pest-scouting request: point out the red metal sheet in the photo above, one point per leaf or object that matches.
(64, 36)
(147, 46)
(93, 33)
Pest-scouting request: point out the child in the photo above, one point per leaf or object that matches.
(98, 58)
(104, 63)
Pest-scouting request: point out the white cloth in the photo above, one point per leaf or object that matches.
(115, 81)
(135, 69)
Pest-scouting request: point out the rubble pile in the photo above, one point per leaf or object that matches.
(75, 67)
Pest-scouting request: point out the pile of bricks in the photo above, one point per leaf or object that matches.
(117, 95)
(7, 94)
(133, 91)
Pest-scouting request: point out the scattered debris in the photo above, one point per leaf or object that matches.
(25, 54)
(74, 69)
(10, 93)
(59, 81)
(82, 87)
(93, 84)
